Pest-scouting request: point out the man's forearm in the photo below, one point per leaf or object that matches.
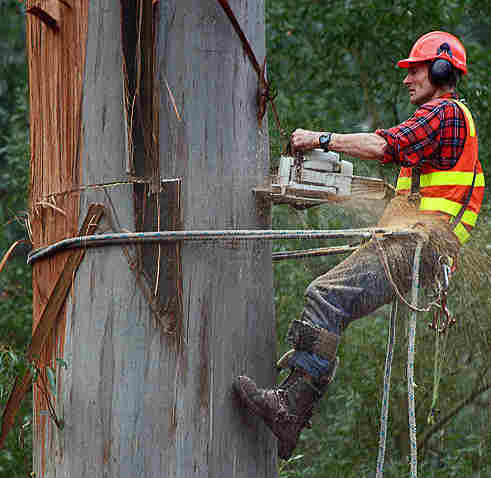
(358, 145)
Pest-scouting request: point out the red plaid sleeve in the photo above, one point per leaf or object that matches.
(435, 133)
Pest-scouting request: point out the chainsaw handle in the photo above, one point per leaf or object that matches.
(288, 148)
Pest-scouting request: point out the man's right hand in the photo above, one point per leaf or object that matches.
(304, 140)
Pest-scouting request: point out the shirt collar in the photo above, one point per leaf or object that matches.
(448, 95)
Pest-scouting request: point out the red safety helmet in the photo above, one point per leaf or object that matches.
(435, 45)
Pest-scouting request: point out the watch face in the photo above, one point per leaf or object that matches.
(324, 141)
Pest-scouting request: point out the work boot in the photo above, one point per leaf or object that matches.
(287, 409)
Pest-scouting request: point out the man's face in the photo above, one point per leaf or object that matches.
(418, 84)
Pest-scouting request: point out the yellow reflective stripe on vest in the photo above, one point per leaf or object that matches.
(443, 178)
(468, 115)
(461, 232)
(451, 178)
(449, 207)
(403, 183)
(469, 218)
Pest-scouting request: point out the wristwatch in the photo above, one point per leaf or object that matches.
(324, 141)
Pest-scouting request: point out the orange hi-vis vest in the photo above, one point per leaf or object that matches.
(447, 190)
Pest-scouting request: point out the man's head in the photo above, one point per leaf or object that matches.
(435, 63)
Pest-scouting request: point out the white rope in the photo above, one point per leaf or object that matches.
(385, 398)
(410, 365)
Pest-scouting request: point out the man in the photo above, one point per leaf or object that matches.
(439, 194)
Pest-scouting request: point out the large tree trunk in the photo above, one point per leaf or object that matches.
(214, 143)
(153, 337)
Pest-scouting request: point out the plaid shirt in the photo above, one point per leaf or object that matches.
(435, 133)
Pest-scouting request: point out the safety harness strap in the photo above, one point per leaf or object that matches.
(467, 200)
(415, 180)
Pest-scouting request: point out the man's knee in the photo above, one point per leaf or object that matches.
(322, 308)
(314, 290)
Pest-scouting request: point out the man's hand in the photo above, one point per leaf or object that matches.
(304, 140)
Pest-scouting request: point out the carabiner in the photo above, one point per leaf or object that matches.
(446, 271)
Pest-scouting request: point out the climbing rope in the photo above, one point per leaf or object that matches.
(385, 263)
(410, 375)
(410, 364)
(321, 251)
(442, 322)
(173, 236)
(385, 399)
(438, 361)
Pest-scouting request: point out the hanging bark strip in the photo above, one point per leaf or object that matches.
(7, 255)
(48, 11)
(48, 320)
(264, 88)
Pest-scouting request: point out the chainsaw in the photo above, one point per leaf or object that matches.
(317, 177)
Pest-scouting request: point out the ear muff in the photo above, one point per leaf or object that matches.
(441, 68)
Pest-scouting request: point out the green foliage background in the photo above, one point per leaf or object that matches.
(332, 64)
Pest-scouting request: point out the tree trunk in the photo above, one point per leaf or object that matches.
(153, 337)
